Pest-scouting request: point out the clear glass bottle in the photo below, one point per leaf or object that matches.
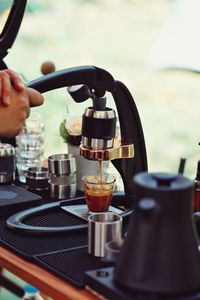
(31, 293)
(30, 145)
(196, 196)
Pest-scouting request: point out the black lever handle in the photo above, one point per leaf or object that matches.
(11, 27)
(95, 78)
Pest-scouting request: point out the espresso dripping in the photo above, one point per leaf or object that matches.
(100, 171)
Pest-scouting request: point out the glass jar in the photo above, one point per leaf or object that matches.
(30, 145)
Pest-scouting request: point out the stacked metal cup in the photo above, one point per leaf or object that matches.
(62, 171)
(7, 163)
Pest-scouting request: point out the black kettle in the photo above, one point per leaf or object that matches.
(160, 252)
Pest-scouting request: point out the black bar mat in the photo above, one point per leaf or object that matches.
(27, 245)
(70, 264)
(13, 198)
(102, 281)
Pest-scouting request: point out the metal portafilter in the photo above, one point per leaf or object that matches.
(62, 170)
(7, 163)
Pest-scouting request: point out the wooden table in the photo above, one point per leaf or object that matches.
(46, 282)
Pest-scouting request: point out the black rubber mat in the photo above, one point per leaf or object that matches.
(64, 254)
(71, 264)
(53, 218)
(28, 245)
(13, 198)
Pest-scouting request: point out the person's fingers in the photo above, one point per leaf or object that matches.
(16, 80)
(35, 98)
(0, 90)
(12, 118)
(6, 89)
(7, 79)
(28, 111)
(3, 90)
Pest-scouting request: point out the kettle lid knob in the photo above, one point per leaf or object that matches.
(162, 182)
(164, 179)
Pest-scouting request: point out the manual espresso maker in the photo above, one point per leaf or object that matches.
(99, 121)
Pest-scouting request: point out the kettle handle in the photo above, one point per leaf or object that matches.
(148, 213)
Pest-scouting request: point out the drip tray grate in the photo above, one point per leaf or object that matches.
(82, 212)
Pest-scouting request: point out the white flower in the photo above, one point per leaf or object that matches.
(74, 126)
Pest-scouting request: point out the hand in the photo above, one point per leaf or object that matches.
(8, 80)
(34, 97)
(12, 117)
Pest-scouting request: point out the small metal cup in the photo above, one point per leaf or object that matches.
(37, 178)
(112, 249)
(62, 164)
(62, 187)
(7, 163)
(62, 169)
(103, 227)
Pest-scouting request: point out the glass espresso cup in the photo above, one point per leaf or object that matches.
(98, 192)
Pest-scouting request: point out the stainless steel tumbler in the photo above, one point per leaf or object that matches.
(103, 227)
(62, 169)
(62, 164)
(63, 187)
(37, 178)
(112, 249)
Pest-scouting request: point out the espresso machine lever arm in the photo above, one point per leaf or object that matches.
(93, 77)
(11, 28)
(131, 133)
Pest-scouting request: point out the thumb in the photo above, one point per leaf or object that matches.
(35, 98)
